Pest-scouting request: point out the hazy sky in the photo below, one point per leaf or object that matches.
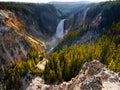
(45, 1)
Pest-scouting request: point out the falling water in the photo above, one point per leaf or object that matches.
(60, 29)
(58, 35)
(85, 13)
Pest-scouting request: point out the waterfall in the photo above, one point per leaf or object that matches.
(85, 13)
(60, 29)
(57, 36)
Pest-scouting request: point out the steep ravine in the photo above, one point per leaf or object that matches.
(15, 42)
(20, 32)
(59, 34)
(21, 23)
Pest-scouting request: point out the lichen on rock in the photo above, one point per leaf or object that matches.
(93, 76)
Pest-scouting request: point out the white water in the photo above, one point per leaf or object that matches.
(85, 13)
(58, 35)
(60, 29)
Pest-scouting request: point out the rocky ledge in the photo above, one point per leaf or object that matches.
(93, 76)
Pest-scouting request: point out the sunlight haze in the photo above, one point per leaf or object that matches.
(46, 1)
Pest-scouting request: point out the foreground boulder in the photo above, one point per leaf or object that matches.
(93, 76)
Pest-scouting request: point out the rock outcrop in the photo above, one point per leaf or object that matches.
(39, 20)
(15, 42)
(93, 76)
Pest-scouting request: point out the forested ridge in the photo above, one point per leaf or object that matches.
(14, 73)
(68, 57)
(66, 63)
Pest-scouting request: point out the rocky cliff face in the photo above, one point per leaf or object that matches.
(15, 41)
(93, 76)
(39, 20)
(92, 22)
(23, 27)
(89, 28)
(41, 26)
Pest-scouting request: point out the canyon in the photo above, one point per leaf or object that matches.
(39, 37)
